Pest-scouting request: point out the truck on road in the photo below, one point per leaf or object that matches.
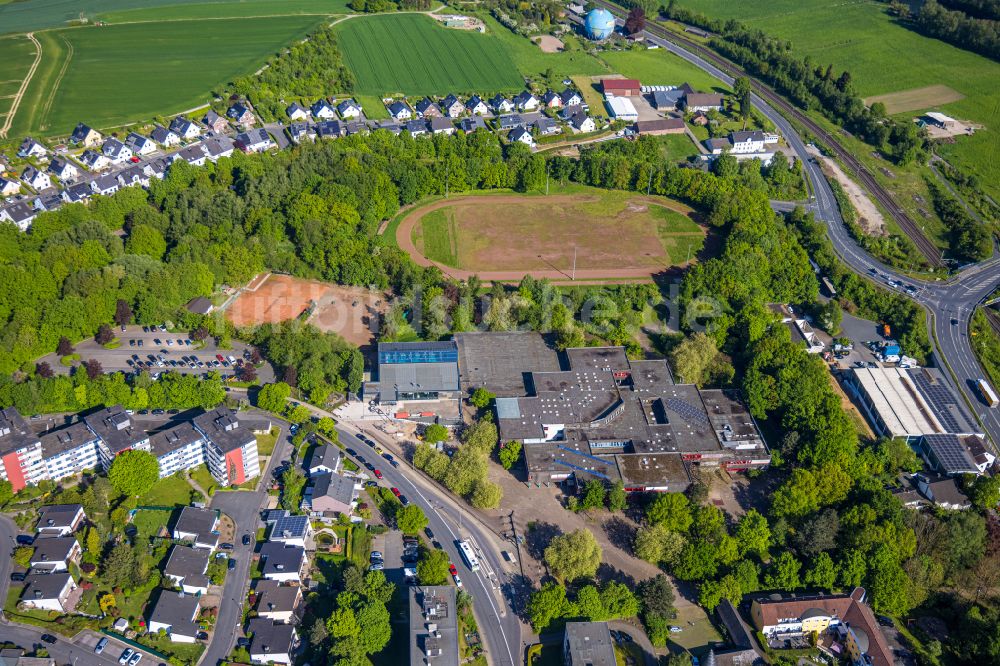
(987, 392)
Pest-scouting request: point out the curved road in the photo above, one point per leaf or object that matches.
(499, 628)
(953, 299)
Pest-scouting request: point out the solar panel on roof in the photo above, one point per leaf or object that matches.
(943, 403)
(418, 356)
(293, 524)
(688, 412)
(951, 454)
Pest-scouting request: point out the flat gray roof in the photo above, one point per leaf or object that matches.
(433, 626)
(502, 362)
(590, 643)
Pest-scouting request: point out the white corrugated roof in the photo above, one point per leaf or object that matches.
(621, 106)
(940, 117)
(898, 402)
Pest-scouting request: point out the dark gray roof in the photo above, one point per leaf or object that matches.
(335, 486)
(667, 98)
(502, 361)
(237, 111)
(739, 633)
(433, 605)
(510, 121)
(185, 561)
(80, 132)
(416, 126)
(160, 134)
(270, 637)
(497, 100)
(170, 440)
(746, 135)
(57, 515)
(218, 145)
(39, 586)
(397, 107)
(518, 133)
(522, 98)
(347, 105)
(197, 521)
(14, 431)
(223, 429)
(440, 124)
(53, 549)
(58, 164)
(176, 610)
(20, 211)
(427, 104)
(328, 456)
(590, 643)
(568, 94)
(279, 558)
(275, 597)
(472, 124)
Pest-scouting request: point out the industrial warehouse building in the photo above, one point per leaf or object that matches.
(920, 407)
(416, 380)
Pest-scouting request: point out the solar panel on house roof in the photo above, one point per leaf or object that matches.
(951, 453)
(293, 525)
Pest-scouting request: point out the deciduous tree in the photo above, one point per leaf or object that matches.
(134, 472)
(573, 556)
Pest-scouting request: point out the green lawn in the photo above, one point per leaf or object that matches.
(114, 75)
(437, 229)
(532, 61)
(174, 490)
(412, 54)
(204, 478)
(676, 147)
(265, 443)
(16, 54)
(149, 522)
(885, 57)
(660, 67)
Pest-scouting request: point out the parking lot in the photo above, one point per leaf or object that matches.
(156, 350)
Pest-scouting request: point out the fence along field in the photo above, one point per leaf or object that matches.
(412, 54)
(113, 75)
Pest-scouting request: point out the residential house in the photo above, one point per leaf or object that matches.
(747, 141)
(215, 122)
(94, 160)
(441, 126)
(588, 644)
(20, 213)
(570, 97)
(78, 193)
(352, 127)
(299, 132)
(845, 616)
(31, 148)
(551, 100)
(582, 123)
(547, 126)
(186, 569)
(50, 591)
(521, 135)
(700, 118)
(165, 137)
(156, 168)
(175, 613)
(133, 175)
(399, 111)
(742, 145)
(472, 124)
(330, 495)
(277, 602)
(199, 526)
(59, 519)
(178, 448)
(702, 102)
(199, 305)
(349, 109)
(501, 104)
(271, 643)
(85, 136)
(944, 492)
(416, 127)
(282, 563)
(322, 110)
(9, 186)
(525, 101)
(390, 126)
(325, 460)
(476, 106)
(218, 146)
(621, 87)
(184, 128)
(452, 106)
(330, 129)
(800, 329)
(20, 448)
(509, 122)
(427, 108)
(63, 169)
(230, 448)
(193, 155)
(254, 141)
(49, 200)
(139, 144)
(297, 112)
(668, 100)
(106, 184)
(241, 114)
(660, 126)
(287, 529)
(116, 151)
(55, 553)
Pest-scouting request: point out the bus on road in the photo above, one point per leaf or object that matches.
(468, 555)
(988, 394)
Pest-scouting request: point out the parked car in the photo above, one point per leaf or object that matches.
(126, 655)
(395, 491)
(226, 546)
(17, 577)
(135, 659)
(49, 638)
(403, 500)
(246, 539)
(452, 569)
(377, 473)
(101, 644)
(429, 532)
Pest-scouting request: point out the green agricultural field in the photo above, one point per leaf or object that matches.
(412, 54)
(533, 62)
(114, 75)
(16, 54)
(661, 67)
(884, 57)
(27, 15)
(199, 9)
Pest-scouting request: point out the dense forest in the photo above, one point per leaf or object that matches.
(987, 9)
(808, 84)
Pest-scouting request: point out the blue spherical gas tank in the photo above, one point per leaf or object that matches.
(600, 24)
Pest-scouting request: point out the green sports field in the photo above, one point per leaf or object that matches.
(412, 54)
(113, 75)
(884, 57)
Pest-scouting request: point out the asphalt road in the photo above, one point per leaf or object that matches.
(499, 628)
(244, 507)
(955, 298)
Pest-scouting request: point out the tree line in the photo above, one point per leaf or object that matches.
(808, 84)
(960, 27)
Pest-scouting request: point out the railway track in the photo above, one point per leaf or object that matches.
(993, 318)
(923, 244)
